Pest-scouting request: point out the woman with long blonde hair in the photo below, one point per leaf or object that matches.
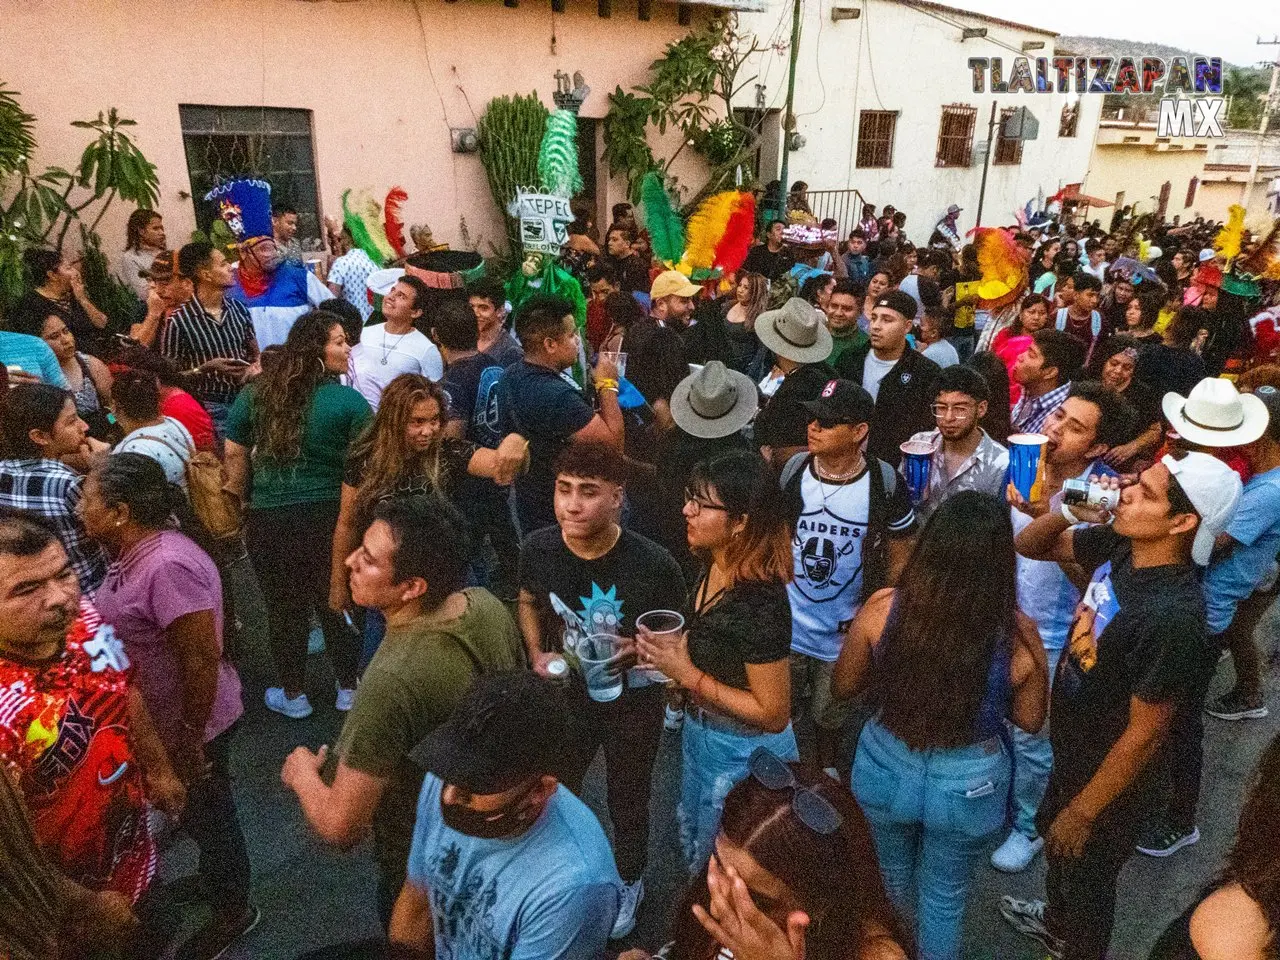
(729, 334)
(287, 439)
(403, 452)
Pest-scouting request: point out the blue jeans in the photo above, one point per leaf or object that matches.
(1032, 761)
(930, 812)
(715, 760)
(218, 413)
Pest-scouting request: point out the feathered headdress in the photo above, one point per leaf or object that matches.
(394, 223)
(661, 220)
(706, 227)
(736, 239)
(558, 155)
(1263, 262)
(1003, 265)
(244, 206)
(1229, 238)
(363, 217)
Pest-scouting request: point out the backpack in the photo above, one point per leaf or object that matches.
(216, 509)
(875, 549)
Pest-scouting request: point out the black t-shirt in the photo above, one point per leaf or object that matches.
(655, 359)
(782, 422)
(35, 307)
(607, 593)
(546, 409)
(1166, 368)
(631, 272)
(751, 623)
(760, 259)
(1145, 403)
(1138, 633)
(471, 385)
(444, 474)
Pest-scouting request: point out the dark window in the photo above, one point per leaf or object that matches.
(272, 143)
(955, 135)
(1008, 150)
(875, 138)
(1070, 120)
(1191, 191)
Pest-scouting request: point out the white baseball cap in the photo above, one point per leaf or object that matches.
(1213, 489)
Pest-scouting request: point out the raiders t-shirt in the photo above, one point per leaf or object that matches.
(827, 547)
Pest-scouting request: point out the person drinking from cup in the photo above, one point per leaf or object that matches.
(960, 455)
(853, 530)
(733, 656)
(606, 578)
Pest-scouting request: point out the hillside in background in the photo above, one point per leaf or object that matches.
(1111, 47)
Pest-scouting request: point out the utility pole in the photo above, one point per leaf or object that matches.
(1262, 127)
(788, 120)
(986, 164)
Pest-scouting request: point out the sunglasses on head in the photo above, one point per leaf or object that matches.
(812, 809)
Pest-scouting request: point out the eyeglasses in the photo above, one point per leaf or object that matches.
(813, 809)
(699, 505)
(943, 410)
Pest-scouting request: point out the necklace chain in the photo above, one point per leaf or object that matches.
(386, 350)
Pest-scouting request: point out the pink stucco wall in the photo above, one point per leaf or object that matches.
(385, 80)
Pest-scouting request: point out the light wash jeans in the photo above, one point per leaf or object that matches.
(715, 755)
(1032, 760)
(930, 812)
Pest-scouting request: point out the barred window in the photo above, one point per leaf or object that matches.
(955, 135)
(1008, 150)
(272, 143)
(875, 138)
(1070, 119)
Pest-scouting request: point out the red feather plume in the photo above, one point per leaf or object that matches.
(394, 223)
(738, 231)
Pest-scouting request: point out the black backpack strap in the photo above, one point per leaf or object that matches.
(792, 469)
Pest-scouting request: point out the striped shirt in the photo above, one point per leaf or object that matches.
(193, 337)
(1031, 412)
(52, 491)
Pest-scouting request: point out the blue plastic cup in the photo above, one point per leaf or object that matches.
(917, 462)
(1025, 450)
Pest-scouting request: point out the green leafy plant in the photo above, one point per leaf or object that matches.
(691, 90)
(44, 204)
(1245, 90)
(510, 133)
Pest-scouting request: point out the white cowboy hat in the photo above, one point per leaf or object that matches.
(380, 282)
(796, 331)
(1215, 414)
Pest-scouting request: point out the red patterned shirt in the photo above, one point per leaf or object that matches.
(64, 727)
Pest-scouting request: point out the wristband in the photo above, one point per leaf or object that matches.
(1070, 517)
(607, 383)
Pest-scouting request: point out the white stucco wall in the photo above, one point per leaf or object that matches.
(899, 57)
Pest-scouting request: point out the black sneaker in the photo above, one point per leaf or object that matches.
(1232, 706)
(1162, 840)
(216, 937)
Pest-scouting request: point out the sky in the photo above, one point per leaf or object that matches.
(1228, 28)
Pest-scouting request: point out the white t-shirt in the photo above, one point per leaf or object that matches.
(873, 372)
(942, 353)
(168, 444)
(910, 285)
(380, 357)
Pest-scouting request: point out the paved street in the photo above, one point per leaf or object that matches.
(312, 897)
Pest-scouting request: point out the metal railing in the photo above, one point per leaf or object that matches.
(842, 206)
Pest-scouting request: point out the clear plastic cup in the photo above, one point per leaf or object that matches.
(665, 626)
(619, 358)
(596, 656)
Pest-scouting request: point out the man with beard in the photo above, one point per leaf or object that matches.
(964, 457)
(505, 860)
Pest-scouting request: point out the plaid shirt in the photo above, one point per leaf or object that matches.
(1031, 413)
(52, 491)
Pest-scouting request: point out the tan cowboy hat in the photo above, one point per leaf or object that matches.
(714, 402)
(796, 331)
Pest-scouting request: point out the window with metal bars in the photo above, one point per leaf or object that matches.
(875, 137)
(955, 135)
(271, 143)
(1008, 149)
(1070, 120)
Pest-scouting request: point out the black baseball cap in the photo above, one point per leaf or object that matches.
(900, 302)
(841, 401)
(510, 726)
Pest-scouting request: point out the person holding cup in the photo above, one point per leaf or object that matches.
(960, 454)
(733, 658)
(606, 577)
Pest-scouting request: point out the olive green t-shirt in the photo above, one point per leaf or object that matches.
(410, 687)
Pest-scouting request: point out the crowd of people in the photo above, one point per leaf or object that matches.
(906, 563)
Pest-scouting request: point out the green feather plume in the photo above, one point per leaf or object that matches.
(362, 215)
(666, 231)
(558, 155)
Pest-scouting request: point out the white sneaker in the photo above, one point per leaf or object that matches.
(632, 895)
(673, 719)
(1017, 852)
(346, 699)
(295, 708)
